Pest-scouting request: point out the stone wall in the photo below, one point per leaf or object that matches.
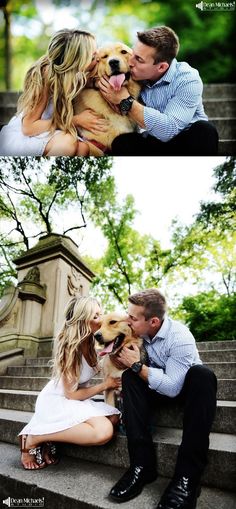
(32, 312)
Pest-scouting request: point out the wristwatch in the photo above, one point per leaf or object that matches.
(136, 367)
(126, 105)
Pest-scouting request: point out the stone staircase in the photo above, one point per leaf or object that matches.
(220, 106)
(219, 102)
(85, 475)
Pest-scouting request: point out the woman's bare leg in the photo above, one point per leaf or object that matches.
(61, 144)
(95, 431)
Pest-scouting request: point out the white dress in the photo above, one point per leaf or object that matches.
(54, 412)
(14, 143)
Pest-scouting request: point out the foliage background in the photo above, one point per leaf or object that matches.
(196, 273)
(206, 37)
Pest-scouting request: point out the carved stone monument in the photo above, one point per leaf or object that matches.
(32, 312)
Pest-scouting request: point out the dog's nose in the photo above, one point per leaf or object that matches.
(98, 337)
(114, 64)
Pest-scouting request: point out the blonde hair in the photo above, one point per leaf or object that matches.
(62, 71)
(75, 331)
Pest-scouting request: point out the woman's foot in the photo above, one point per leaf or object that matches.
(50, 453)
(31, 454)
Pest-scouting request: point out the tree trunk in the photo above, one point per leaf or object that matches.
(7, 38)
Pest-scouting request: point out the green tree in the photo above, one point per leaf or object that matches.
(11, 8)
(221, 214)
(206, 37)
(34, 191)
(209, 315)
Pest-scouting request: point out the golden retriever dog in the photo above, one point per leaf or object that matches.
(115, 333)
(113, 60)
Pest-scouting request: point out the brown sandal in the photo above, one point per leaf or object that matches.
(50, 450)
(34, 451)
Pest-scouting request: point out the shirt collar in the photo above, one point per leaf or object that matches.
(167, 77)
(161, 333)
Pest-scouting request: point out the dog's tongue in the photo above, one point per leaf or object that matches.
(106, 350)
(117, 81)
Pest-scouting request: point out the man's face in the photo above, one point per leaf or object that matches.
(142, 63)
(139, 324)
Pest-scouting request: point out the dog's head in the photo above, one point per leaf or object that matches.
(113, 60)
(114, 333)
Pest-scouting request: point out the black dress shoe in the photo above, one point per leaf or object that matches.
(131, 484)
(181, 493)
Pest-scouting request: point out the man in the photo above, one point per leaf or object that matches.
(170, 114)
(174, 370)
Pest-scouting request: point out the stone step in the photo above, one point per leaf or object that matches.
(210, 91)
(37, 371)
(219, 91)
(79, 484)
(218, 355)
(6, 113)
(6, 354)
(201, 346)
(227, 147)
(11, 358)
(226, 127)
(213, 108)
(220, 107)
(222, 453)
(170, 415)
(40, 361)
(216, 345)
(9, 98)
(221, 369)
(23, 383)
(226, 388)
(210, 355)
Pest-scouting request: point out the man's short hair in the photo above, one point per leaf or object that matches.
(152, 300)
(164, 40)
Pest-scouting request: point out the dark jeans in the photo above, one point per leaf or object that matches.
(199, 397)
(201, 139)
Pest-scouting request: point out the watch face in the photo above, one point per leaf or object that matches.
(136, 367)
(125, 104)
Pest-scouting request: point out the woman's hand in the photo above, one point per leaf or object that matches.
(91, 121)
(112, 383)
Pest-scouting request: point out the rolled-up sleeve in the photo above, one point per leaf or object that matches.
(178, 113)
(169, 381)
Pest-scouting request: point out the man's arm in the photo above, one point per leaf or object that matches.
(176, 116)
(169, 380)
(115, 97)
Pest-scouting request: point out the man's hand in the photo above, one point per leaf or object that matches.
(128, 356)
(112, 96)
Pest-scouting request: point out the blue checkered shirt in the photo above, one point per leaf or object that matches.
(171, 353)
(174, 102)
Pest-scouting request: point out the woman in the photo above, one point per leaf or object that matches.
(45, 123)
(64, 411)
